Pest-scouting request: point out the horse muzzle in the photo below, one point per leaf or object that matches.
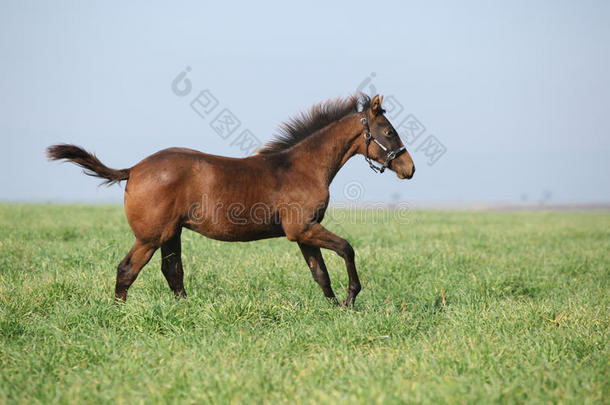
(405, 174)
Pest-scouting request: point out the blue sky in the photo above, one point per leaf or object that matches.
(516, 92)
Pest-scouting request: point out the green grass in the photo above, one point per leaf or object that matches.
(456, 307)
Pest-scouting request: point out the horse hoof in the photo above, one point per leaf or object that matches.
(347, 303)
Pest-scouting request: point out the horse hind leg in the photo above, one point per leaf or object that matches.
(171, 265)
(130, 267)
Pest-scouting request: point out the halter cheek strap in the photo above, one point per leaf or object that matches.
(391, 155)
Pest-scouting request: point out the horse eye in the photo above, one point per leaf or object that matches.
(388, 132)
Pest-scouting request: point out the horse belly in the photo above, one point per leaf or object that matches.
(235, 230)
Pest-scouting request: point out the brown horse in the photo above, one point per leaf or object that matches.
(282, 190)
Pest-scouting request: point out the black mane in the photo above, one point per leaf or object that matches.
(317, 117)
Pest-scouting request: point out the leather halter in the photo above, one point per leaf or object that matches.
(390, 155)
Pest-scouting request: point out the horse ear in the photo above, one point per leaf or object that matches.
(376, 104)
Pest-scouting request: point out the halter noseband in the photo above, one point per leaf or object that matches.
(391, 155)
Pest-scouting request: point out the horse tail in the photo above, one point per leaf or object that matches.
(88, 161)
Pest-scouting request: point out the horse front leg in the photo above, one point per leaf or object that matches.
(315, 261)
(316, 235)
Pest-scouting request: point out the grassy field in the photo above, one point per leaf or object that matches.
(456, 307)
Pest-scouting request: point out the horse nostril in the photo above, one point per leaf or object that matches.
(413, 171)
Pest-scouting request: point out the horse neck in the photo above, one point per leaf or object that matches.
(325, 152)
